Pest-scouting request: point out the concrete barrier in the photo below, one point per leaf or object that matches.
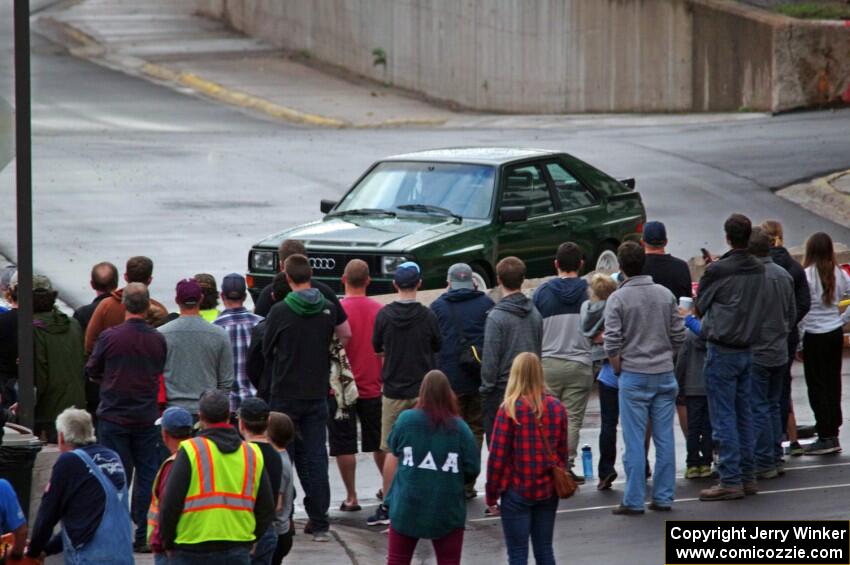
(565, 56)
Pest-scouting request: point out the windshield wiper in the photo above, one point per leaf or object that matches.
(363, 212)
(429, 209)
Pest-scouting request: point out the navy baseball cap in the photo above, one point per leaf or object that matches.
(176, 421)
(654, 233)
(233, 286)
(407, 275)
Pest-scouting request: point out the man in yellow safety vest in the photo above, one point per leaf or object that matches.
(217, 500)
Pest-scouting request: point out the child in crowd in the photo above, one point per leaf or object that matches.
(592, 317)
(280, 432)
(689, 373)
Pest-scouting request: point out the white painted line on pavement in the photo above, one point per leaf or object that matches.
(679, 501)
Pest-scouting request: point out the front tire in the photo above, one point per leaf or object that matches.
(482, 280)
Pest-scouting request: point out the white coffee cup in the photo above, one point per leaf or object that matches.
(686, 302)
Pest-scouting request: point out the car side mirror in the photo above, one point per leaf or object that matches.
(509, 214)
(327, 205)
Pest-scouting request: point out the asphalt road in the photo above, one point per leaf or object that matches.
(126, 167)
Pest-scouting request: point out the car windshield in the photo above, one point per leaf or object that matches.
(464, 190)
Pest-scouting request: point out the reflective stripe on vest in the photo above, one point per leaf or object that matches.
(219, 504)
(153, 509)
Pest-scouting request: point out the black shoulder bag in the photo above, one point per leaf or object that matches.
(469, 357)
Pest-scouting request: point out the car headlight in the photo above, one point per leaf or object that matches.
(262, 261)
(390, 264)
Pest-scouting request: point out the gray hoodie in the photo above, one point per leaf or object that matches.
(592, 322)
(513, 326)
(643, 326)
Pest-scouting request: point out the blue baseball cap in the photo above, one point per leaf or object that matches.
(655, 233)
(176, 421)
(407, 275)
(233, 286)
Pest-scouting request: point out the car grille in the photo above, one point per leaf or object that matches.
(333, 264)
(375, 287)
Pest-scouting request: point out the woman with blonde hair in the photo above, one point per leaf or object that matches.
(529, 437)
(823, 341)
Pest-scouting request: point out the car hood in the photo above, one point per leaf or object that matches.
(402, 233)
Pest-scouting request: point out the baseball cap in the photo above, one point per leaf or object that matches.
(407, 275)
(233, 286)
(253, 410)
(176, 421)
(654, 233)
(188, 292)
(460, 276)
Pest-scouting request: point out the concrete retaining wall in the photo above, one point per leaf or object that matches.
(564, 56)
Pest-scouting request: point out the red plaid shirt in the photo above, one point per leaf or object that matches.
(517, 457)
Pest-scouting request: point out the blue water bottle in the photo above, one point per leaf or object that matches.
(587, 461)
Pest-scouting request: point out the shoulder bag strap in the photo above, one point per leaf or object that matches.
(553, 460)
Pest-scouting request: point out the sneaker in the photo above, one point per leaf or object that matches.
(322, 537)
(470, 493)
(795, 449)
(579, 480)
(751, 488)
(823, 446)
(659, 507)
(780, 468)
(381, 517)
(606, 482)
(705, 472)
(766, 474)
(719, 492)
(692, 473)
(626, 511)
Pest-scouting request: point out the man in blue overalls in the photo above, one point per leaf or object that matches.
(87, 492)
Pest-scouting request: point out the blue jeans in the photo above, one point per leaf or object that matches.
(767, 385)
(137, 448)
(644, 397)
(609, 406)
(522, 518)
(309, 453)
(264, 550)
(161, 559)
(728, 388)
(233, 556)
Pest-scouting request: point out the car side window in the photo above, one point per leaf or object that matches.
(570, 191)
(525, 186)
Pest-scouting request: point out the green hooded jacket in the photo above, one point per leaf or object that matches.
(59, 363)
(305, 303)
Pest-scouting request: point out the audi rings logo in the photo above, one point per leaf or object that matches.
(322, 263)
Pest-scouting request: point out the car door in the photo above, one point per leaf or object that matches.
(536, 239)
(581, 216)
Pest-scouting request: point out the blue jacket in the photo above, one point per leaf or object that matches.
(470, 307)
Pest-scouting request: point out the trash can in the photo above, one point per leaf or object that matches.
(17, 458)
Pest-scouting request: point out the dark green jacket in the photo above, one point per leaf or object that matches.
(427, 495)
(59, 362)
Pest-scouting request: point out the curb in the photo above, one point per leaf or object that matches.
(221, 93)
(91, 49)
(820, 197)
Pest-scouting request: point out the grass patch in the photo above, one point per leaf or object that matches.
(816, 11)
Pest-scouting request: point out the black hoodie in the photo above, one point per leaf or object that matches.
(802, 296)
(227, 440)
(408, 335)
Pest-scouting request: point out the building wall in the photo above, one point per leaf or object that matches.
(562, 56)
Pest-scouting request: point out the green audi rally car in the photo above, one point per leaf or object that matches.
(470, 205)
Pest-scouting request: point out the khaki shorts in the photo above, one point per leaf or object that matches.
(390, 410)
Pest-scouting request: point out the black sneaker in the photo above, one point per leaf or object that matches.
(579, 480)
(823, 446)
(381, 517)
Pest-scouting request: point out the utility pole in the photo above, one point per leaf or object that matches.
(23, 161)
